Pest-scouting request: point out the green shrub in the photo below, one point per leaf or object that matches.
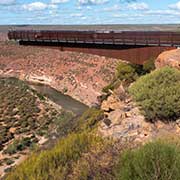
(9, 161)
(126, 72)
(11, 149)
(110, 86)
(149, 66)
(89, 119)
(153, 161)
(158, 94)
(55, 163)
(18, 145)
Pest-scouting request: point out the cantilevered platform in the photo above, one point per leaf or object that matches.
(135, 46)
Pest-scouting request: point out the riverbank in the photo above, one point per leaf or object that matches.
(64, 101)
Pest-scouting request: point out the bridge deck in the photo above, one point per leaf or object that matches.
(145, 38)
(134, 46)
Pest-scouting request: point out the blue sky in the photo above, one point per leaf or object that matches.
(89, 11)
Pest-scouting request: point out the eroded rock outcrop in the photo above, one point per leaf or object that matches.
(169, 58)
(123, 120)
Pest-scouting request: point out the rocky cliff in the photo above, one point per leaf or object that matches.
(169, 58)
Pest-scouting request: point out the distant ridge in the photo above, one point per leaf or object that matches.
(123, 27)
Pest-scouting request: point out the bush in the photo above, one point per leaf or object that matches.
(89, 119)
(9, 161)
(18, 145)
(158, 94)
(126, 72)
(154, 161)
(149, 66)
(55, 163)
(110, 86)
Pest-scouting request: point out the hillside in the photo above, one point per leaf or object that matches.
(27, 120)
(79, 75)
(135, 123)
(122, 27)
(32, 120)
(105, 143)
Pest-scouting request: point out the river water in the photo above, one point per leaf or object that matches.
(65, 101)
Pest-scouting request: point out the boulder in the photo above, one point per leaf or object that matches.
(169, 58)
(116, 116)
(111, 104)
(120, 93)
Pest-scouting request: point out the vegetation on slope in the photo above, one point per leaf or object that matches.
(158, 94)
(61, 161)
(56, 163)
(22, 111)
(25, 119)
(127, 73)
(149, 65)
(82, 154)
(157, 160)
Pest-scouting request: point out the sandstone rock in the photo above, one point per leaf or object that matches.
(128, 124)
(159, 124)
(12, 130)
(169, 58)
(178, 129)
(128, 114)
(101, 98)
(178, 122)
(120, 92)
(116, 117)
(111, 104)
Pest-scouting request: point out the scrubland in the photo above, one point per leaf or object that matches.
(30, 123)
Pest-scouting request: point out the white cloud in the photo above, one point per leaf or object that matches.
(76, 15)
(38, 6)
(7, 2)
(116, 7)
(35, 6)
(120, 15)
(52, 6)
(58, 1)
(83, 18)
(175, 6)
(91, 2)
(162, 13)
(138, 6)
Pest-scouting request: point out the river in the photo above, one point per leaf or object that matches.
(65, 101)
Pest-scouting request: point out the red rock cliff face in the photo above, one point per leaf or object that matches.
(81, 76)
(169, 58)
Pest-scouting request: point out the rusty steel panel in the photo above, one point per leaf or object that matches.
(150, 43)
(134, 55)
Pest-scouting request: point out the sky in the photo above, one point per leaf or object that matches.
(89, 12)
